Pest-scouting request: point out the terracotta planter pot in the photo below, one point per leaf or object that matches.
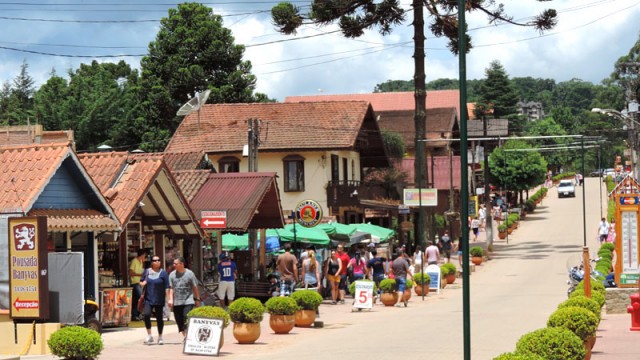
(246, 333)
(282, 324)
(477, 260)
(451, 278)
(592, 341)
(502, 235)
(305, 318)
(587, 348)
(406, 295)
(509, 230)
(418, 289)
(389, 299)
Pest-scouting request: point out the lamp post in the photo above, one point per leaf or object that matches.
(632, 122)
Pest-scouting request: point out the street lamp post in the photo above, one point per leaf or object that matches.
(624, 116)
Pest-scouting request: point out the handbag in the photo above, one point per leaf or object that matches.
(141, 300)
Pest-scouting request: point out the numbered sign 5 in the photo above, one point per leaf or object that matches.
(363, 295)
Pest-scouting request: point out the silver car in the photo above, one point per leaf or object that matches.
(566, 188)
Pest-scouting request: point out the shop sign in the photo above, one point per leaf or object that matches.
(213, 219)
(629, 200)
(203, 336)
(629, 279)
(364, 295)
(412, 197)
(28, 280)
(308, 213)
(434, 275)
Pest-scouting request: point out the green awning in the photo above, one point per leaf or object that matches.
(303, 234)
(376, 231)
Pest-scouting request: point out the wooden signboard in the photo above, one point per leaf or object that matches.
(203, 336)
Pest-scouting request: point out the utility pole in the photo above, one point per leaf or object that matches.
(253, 142)
(488, 229)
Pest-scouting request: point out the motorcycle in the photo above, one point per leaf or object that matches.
(576, 274)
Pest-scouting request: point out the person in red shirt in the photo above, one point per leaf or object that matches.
(344, 259)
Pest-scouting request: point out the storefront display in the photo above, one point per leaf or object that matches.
(115, 306)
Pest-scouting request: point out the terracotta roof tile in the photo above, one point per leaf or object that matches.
(76, 220)
(441, 173)
(439, 121)
(25, 172)
(223, 127)
(190, 181)
(252, 200)
(183, 160)
(388, 101)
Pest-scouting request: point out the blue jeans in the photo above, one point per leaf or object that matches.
(137, 292)
(402, 283)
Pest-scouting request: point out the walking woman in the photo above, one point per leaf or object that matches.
(156, 290)
(311, 271)
(332, 274)
(359, 267)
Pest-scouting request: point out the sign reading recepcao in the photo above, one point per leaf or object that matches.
(308, 213)
(363, 295)
(412, 197)
(213, 219)
(28, 280)
(203, 336)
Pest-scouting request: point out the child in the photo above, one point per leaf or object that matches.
(274, 285)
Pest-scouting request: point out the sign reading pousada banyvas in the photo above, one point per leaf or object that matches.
(28, 278)
(308, 213)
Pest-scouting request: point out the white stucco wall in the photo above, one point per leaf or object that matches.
(317, 173)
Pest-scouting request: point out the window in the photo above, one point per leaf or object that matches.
(229, 164)
(345, 170)
(293, 173)
(335, 169)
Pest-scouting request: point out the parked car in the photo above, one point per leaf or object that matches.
(566, 188)
(609, 172)
(597, 173)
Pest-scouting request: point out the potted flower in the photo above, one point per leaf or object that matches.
(502, 231)
(282, 314)
(389, 293)
(246, 314)
(448, 271)
(580, 321)
(407, 289)
(421, 279)
(476, 254)
(211, 312)
(308, 302)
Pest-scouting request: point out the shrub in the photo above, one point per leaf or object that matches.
(388, 285)
(476, 251)
(281, 305)
(595, 286)
(595, 295)
(409, 284)
(583, 302)
(516, 356)
(422, 278)
(607, 246)
(352, 287)
(580, 321)
(530, 205)
(448, 269)
(307, 299)
(552, 343)
(75, 342)
(210, 312)
(246, 310)
(502, 227)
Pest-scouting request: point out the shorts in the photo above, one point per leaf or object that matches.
(402, 284)
(377, 279)
(286, 287)
(475, 231)
(228, 288)
(333, 278)
(343, 282)
(447, 253)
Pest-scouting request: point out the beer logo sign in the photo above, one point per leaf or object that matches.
(24, 236)
(308, 213)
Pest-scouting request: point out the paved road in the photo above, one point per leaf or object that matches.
(511, 295)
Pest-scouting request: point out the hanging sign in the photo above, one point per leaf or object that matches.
(308, 213)
(203, 336)
(28, 266)
(213, 219)
(363, 295)
(420, 197)
(434, 274)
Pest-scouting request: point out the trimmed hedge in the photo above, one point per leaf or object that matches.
(580, 321)
(210, 312)
(595, 295)
(281, 305)
(246, 310)
(448, 269)
(515, 356)
(421, 278)
(307, 299)
(583, 302)
(75, 342)
(388, 285)
(552, 343)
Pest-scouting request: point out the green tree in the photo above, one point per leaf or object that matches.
(49, 103)
(549, 127)
(517, 170)
(625, 73)
(394, 144)
(575, 94)
(530, 89)
(498, 93)
(394, 86)
(192, 52)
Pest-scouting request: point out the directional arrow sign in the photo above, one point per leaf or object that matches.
(213, 219)
(25, 304)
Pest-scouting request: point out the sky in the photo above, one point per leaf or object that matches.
(590, 36)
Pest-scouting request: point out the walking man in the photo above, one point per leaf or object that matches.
(344, 259)
(228, 275)
(287, 265)
(433, 254)
(183, 293)
(445, 242)
(135, 272)
(400, 267)
(603, 230)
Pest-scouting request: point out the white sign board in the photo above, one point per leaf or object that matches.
(364, 295)
(434, 274)
(203, 336)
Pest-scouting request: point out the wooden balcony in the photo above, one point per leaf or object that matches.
(349, 193)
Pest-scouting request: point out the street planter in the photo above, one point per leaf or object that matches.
(246, 314)
(308, 302)
(282, 314)
(388, 295)
(305, 318)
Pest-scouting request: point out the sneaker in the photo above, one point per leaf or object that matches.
(406, 303)
(342, 301)
(398, 305)
(149, 340)
(160, 341)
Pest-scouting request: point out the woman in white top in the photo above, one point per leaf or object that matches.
(418, 259)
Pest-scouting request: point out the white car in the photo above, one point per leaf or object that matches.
(566, 188)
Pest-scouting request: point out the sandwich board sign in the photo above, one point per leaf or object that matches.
(434, 274)
(364, 295)
(203, 336)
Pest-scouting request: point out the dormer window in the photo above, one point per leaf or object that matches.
(229, 164)
(293, 173)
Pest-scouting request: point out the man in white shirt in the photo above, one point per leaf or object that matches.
(433, 254)
(603, 230)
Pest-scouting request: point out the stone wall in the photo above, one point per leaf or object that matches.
(618, 299)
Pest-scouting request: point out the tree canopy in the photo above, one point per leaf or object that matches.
(497, 94)
(517, 170)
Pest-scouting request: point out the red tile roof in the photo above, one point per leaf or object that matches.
(33, 134)
(388, 101)
(439, 123)
(252, 200)
(184, 160)
(223, 127)
(190, 181)
(441, 173)
(76, 220)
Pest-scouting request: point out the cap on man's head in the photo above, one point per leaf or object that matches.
(224, 255)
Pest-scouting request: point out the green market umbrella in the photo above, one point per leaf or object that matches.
(304, 235)
(232, 242)
(379, 232)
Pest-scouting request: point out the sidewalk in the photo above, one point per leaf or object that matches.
(614, 340)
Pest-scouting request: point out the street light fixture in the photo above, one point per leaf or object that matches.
(624, 116)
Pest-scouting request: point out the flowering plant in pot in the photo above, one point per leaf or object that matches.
(308, 302)
(246, 314)
(282, 314)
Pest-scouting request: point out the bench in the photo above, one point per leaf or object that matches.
(253, 289)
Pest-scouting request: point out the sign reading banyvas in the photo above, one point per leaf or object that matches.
(28, 280)
(308, 213)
